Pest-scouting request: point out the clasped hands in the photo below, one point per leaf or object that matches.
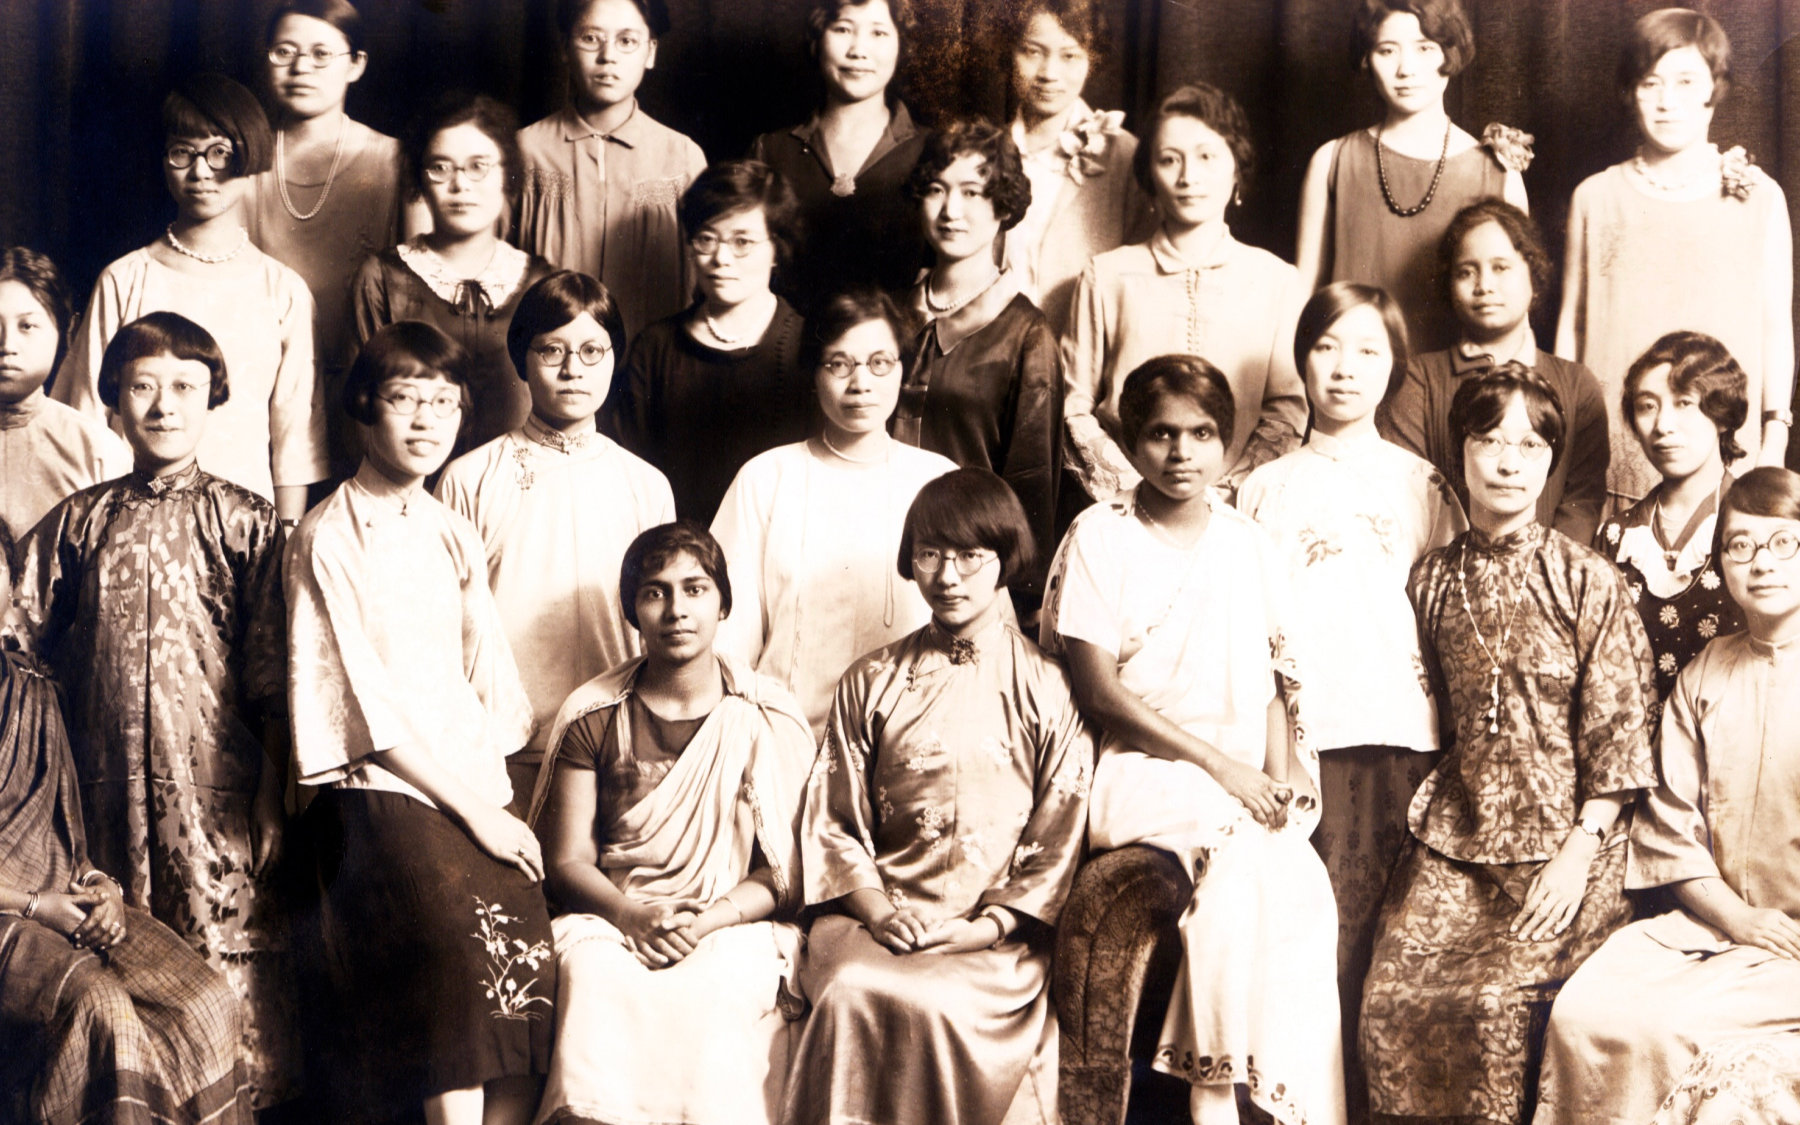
(902, 932)
(661, 936)
(91, 915)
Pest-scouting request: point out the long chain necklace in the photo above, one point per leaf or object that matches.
(281, 171)
(209, 259)
(1493, 654)
(1387, 193)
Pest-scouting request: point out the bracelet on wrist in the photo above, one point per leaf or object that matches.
(31, 906)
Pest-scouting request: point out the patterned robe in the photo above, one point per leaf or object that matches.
(1452, 1003)
(158, 602)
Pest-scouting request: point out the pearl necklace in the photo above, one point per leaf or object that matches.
(209, 259)
(1493, 654)
(281, 171)
(949, 307)
(1387, 193)
(1642, 168)
(712, 328)
(842, 456)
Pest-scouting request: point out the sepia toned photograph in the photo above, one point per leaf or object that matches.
(899, 562)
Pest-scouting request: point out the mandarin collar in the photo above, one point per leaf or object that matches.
(565, 443)
(1527, 538)
(20, 414)
(960, 650)
(163, 485)
(1170, 260)
(1466, 357)
(372, 483)
(630, 132)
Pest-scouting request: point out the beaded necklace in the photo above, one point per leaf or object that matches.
(1493, 654)
(1387, 193)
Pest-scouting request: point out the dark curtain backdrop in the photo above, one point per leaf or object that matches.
(81, 82)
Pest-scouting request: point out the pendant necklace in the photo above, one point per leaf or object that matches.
(1387, 193)
(1492, 714)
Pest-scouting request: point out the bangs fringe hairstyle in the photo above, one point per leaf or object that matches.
(1482, 400)
(652, 550)
(212, 105)
(1002, 169)
(1213, 108)
(40, 277)
(731, 186)
(1670, 29)
(1328, 306)
(1701, 366)
(340, 14)
(496, 121)
(553, 302)
(654, 12)
(965, 510)
(1770, 491)
(1443, 21)
(1521, 230)
(405, 349)
(1175, 376)
(847, 310)
(159, 334)
(1083, 20)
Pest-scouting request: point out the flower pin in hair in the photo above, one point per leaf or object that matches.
(1736, 180)
(1084, 142)
(1510, 146)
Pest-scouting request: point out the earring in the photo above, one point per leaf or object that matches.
(1237, 195)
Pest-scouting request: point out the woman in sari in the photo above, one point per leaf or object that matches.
(105, 1014)
(1514, 874)
(668, 801)
(1168, 603)
(943, 824)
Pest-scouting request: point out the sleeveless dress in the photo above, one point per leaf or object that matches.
(1372, 245)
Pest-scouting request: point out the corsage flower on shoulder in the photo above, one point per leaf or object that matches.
(1510, 146)
(1735, 177)
(1084, 142)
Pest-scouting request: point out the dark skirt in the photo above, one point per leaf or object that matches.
(1364, 794)
(439, 957)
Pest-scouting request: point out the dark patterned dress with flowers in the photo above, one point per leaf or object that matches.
(158, 603)
(1453, 1007)
(1683, 604)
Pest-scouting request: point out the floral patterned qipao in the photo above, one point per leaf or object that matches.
(1452, 998)
(158, 602)
(954, 776)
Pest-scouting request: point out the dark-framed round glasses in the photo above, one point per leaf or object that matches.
(217, 156)
(930, 560)
(405, 403)
(555, 355)
(880, 365)
(1784, 545)
(321, 56)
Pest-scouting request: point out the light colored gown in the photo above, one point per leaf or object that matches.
(954, 775)
(812, 543)
(1662, 991)
(48, 451)
(1199, 636)
(705, 1041)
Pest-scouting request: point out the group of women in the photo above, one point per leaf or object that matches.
(574, 633)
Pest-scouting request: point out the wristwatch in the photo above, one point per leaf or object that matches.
(1596, 831)
(998, 914)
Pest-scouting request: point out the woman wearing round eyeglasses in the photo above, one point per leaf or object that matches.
(333, 194)
(1514, 873)
(811, 529)
(602, 177)
(406, 704)
(708, 389)
(463, 159)
(557, 503)
(268, 437)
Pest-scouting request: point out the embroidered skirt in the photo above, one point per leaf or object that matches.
(440, 956)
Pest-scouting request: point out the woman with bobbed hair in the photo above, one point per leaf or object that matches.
(1514, 873)
(1685, 399)
(406, 704)
(848, 165)
(1084, 198)
(983, 387)
(811, 527)
(705, 390)
(1192, 289)
(333, 193)
(462, 158)
(1681, 236)
(270, 437)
